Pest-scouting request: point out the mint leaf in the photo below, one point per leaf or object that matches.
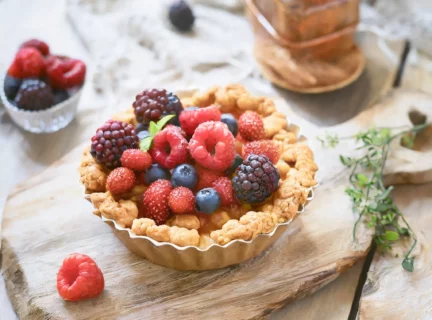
(153, 129)
(145, 143)
(391, 235)
(162, 122)
(408, 264)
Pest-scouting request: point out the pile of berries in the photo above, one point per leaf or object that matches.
(187, 158)
(37, 80)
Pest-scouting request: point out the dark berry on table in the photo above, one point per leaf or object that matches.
(154, 104)
(181, 15)
(231, 122)
(60, 96)
(11, 86)
(143, 134)
(238, 160)
(207, 200)
(184, 175)
(111, 140)
(154, 173)
(34, 95)
(255, 179)
(141, 127)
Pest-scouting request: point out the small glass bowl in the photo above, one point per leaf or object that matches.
(44, 121)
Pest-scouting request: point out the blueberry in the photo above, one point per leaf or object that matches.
(60, 96)
(238, 160)
(191, 108)
(184, 175)
(231, 122)
(11, 87)
(154, 173)
(141, 127)
(143, 134)
(207, 200)
(181, 15)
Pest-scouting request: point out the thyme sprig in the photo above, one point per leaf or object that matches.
(371, 199)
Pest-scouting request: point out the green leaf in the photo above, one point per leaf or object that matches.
(382, 207)
(346, 161)
(153, 129)
(391, 235)
(162, 122)
(145, 144)
(408, 141)
(362, 179)
(408, 264)
(385, 194)
(403, 231)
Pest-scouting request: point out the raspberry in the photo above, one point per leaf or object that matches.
(181, 200)
(111, 140)
(169, 148)
(255, 179)
(136, 159)
(79, 278)
(154, 104)
(251, 126)
(262, 147)
(223, 186)
(28, 63)
(192, 118)
(206, 177)
(212, 146)
(120, 180)
(34, 95)
(155, 201)
(65, 73)
(37, 44)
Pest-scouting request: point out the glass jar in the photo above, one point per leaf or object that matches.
(316, 29)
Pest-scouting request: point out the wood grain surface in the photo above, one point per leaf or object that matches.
(390, 292)
(314, 250)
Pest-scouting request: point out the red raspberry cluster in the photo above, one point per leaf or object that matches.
(34, 62)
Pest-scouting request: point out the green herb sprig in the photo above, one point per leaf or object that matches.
(371, 199)
(154, 128)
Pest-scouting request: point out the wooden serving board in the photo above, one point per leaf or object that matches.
(46, 218)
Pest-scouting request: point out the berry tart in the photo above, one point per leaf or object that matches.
(200, 183)
(41, 90)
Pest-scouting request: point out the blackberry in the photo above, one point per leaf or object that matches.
(255, 179)
(11, 86)
(181, 15)
(111, 140)
(34, 95)
(154, 104)
(60, 96)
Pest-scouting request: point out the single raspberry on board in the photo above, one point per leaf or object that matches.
(206, 177)
(155, 201)
(154, 104)
(120, 180)
(28, 63)
(79, 278)
(262, 147)
(65, 73)
(181, 200)
(251, 126)
(223, 186)
(111, 140)
(190, 119)
(212, 146)
(37, 44)
(136, 159)
(169, 148)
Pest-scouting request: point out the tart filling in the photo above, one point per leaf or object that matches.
(239, 217)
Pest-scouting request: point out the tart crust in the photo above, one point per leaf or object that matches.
(296, 166)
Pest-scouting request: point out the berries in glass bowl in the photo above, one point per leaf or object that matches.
(40, 90)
